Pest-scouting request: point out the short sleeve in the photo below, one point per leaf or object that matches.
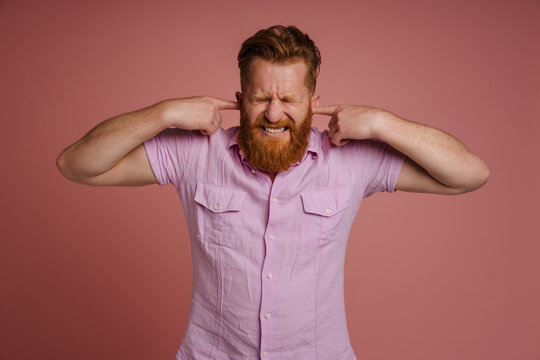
(380, 165)
(169, 154)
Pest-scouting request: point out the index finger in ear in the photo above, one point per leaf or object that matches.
(223, 104)
(324, 110)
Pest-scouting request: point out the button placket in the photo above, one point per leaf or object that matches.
(271, 235)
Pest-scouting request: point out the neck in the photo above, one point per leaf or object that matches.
(272, 176)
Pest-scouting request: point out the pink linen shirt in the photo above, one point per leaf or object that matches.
(268, 258)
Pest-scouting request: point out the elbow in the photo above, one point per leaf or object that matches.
(479, 177)
(481, 180)
(64, 168)
(484, 176)
(61, 164)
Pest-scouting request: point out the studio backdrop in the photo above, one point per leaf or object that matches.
(105, 272)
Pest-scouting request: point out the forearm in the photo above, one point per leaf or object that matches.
(110, 141)
(443, 156)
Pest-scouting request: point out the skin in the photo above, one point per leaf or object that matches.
(112, 152)
(436, 162)
(276, 91)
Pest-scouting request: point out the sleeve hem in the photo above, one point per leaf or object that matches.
(394, 171)
(151, 151)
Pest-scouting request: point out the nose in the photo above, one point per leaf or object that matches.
(274, 111)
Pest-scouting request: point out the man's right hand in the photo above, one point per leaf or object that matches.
(197, 113)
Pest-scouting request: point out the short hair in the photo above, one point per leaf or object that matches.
(281, 44)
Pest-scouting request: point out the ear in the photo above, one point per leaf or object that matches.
(239, 97)
(315, 100)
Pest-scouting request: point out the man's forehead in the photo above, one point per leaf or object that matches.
(268, 78)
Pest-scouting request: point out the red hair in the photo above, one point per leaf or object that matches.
(281, 44)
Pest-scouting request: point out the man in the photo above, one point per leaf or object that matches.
(269, 204)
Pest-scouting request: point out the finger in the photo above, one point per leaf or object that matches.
(332, 130)
(332, 122)
(324, 110)
(209, 131)
(334, 141)
(337, 138)
(223, 104)
(214, 125)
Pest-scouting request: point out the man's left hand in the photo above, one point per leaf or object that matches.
(348, 122)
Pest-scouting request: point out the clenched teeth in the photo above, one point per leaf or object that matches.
(274, 130)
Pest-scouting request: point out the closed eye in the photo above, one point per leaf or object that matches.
(259, 100)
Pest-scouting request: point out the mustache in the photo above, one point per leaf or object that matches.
(261, 121)
(273, 155)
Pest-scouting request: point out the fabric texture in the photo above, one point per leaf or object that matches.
(268, 258)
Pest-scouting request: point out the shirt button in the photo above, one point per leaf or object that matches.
(216, 207)
(328, 211)
(272, 237)
(269, 276)
(274, 200)
(253, 171)
(267, 315)
(265, 354)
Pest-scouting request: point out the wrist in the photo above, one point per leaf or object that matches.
(167, 113)
(382, 122)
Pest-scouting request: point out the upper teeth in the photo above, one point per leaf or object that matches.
(272, 130)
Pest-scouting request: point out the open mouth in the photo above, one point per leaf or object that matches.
(274, 130)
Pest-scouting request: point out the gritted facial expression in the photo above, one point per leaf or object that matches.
(275, 114)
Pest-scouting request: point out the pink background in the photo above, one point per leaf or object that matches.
(105, 273)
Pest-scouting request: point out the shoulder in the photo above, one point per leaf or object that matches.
(354, 152)
(321, 140)
(353, 146)
(221, 136)
(229, 133)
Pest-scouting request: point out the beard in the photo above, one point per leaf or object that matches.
(273, 155)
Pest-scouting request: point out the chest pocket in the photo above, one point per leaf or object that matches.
(323, 220)
(219, 214)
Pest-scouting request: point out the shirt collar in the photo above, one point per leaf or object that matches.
(314, 145)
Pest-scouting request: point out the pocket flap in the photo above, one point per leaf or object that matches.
(325, 202)
(218, 199)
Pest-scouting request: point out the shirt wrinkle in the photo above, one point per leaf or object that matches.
(268, 267)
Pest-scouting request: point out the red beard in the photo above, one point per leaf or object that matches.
(273, 155)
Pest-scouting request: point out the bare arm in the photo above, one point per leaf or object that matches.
(436, 162)
(112, 153)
